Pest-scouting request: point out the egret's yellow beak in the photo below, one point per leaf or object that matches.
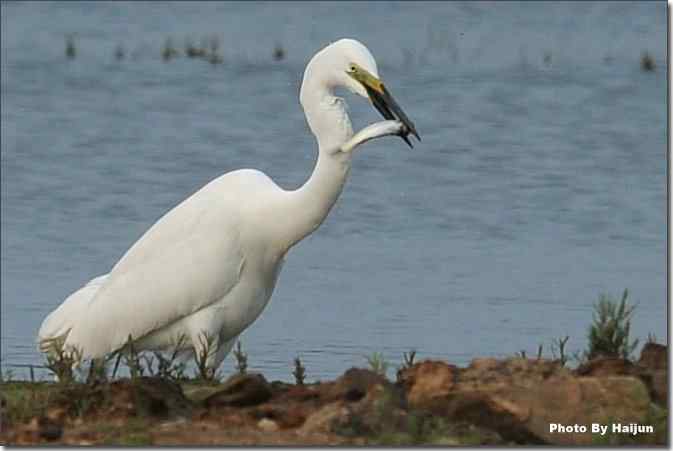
(382, 100)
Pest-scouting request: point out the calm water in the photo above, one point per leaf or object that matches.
(538, 184)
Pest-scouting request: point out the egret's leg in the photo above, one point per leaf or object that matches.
(223, 350)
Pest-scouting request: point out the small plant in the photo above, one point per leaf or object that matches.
(169, 52)
(278, 52)
(407, 362)
(241, 358)
(579, 357)
(191, 50)
(408, 359)
(149, 362)
(97, 370)
(7, 375)
(60, 361)
(299, 372)
(547, 58)
(70, 50)
(132, 359)
(609, 333)
(169, 367)
(203, 355)
(118, 354)
(119, 52)
(647, 62)
(214, 57)
(559, 346)
(377, 363)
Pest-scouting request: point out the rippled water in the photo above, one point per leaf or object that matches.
(539, 184)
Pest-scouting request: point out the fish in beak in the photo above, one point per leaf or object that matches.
(383, 101)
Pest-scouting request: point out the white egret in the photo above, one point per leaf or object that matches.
(209, 266)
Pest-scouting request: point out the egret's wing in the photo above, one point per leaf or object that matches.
(188, 260)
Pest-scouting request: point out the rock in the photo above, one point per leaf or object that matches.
(197, 393)
(122, 398)
(326, 418)
(300, 393)
(657, 385)
(353, 385)
(49, 429)
(488, 402)
(158, 397)
(520, 398)
(384, 408)
(606, 366)
(654, 356)
(360, 403)
(267, 425)
(428, 380)
(241, 390)
(3, 411)
(38, 429)
(172, 424)
(57, 414)
(586, 400)
(483, 364)
(653, 370)
(280, 386)
(290, 406)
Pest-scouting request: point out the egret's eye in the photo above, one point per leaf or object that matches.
(351, 68)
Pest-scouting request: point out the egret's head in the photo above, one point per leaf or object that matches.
(348, 63)
(355, 64)
(333, 64)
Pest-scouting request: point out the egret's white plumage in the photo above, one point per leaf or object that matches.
(209, 266)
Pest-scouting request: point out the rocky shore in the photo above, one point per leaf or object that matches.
(605, 401)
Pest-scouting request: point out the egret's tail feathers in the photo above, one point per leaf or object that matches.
(57, 324)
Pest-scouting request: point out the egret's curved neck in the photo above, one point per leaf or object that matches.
(307, 207)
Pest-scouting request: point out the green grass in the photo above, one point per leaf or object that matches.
(378, 363)
(436, 431)
(25, 399)
(656, 417)
(609, 333)
(133, 433)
